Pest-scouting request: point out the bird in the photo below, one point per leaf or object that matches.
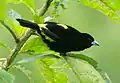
(61, 38)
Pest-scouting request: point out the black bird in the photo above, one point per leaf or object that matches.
(60, 37)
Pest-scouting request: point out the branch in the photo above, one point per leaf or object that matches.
(25, 37)
(11, 31)
(18, 47)
(45, 7)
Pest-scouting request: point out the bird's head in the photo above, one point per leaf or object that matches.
(89, 40)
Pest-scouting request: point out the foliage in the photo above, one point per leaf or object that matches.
(6, 77)
(110, 8)
(3, 4)
(52, 67)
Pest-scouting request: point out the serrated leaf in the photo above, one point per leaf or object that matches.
(86, 69)
(3, 4)
(109, 7)
(11, 20)
(6, 77)
(35, 46)
(25, 71)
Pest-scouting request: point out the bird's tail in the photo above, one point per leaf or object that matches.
(34, 26)
(28, 24)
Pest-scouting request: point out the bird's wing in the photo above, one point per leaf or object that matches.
(58, 31)
(50, 34)
(61, 30)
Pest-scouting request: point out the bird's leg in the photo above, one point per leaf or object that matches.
(63, 54)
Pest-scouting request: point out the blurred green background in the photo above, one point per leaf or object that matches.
(85, 19)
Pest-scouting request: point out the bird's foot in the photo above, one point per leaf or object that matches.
(63, 54)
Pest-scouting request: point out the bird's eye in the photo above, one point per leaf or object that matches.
(89, 39)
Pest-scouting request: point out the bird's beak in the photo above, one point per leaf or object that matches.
(95, 43)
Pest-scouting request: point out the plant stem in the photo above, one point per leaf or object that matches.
(45, 7)
(25, 37)
(11, 31)
(18, 48)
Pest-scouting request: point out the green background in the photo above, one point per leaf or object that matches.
(85, 19)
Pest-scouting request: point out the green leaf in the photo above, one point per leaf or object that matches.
(86, 69)
(83, 57)
(3, 4)
(5, 46)
(25, 71)
(11, 20)
(29, 3)
(14, 1)
(35, 46)
(58, 6)
(33, 58)
(51, 75)
(110, 7)
(117, 3)
(6, 77)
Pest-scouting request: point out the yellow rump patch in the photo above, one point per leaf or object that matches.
(63, 25)
(48, 38)
(42, 26)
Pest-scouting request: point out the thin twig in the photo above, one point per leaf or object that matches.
(18, 48)
(45, 7)
(11, 31)
(25, 37)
